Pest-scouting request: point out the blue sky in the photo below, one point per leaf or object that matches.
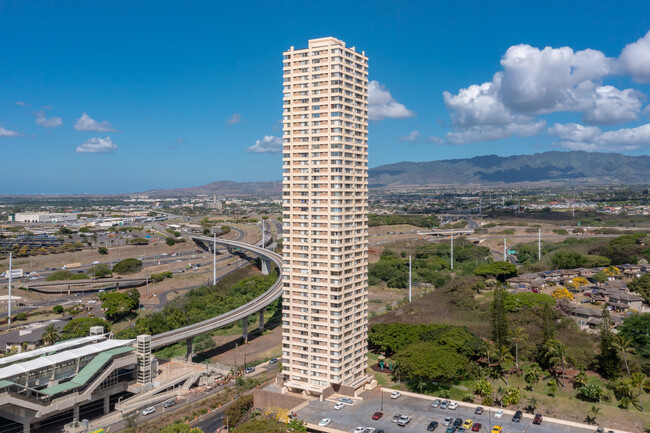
(107, 97)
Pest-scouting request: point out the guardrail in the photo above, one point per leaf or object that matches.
(257, 304)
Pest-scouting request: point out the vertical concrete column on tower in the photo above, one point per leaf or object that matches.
(107, 404)
(143, 354)
(244, 326)
(26, 427)
(75, 412)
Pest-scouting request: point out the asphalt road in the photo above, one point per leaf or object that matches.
(360, 414)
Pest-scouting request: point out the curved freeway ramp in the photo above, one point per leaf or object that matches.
(257, 304)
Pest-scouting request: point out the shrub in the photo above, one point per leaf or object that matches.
(170, 241)
(102, 250)
(127, 266)
(65, 275)
(239, 408)
(57, 309)
(99, 271)
(20, 316)
(139, 241)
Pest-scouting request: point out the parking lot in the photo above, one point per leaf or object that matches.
(360, 414)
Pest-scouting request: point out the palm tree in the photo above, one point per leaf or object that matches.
(50, 335)
(637, 380)
(532, 375)
(489, 352)
(518, 335)
(624, 344)
(560, 355)
(397, 370)
(503, 355)
(421, 384)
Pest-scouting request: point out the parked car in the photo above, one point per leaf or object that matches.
(478, 411)
(468, 423)
(148, 411)
(249, 370)
(458, 422)
(404, 419)
(339, 406)
(450, 429)
(498, 414)
(436, 403)
(447, 421)
(360, 430)
(477, 426)
(461, 430)
(377, 415)
(396, 417)
(273, 360)
(537, 419)
(453, 405)
(395, 395)
(497, 429)
(444, 404)
(517, 416)
(324, 422)
(600, 430)
(346, 400)
(432, 426)
(169, 403)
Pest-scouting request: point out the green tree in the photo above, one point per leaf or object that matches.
(599, 277)
(636, 327)
(641, 286)
(170, 241)
(179, 427)
(499, 270)
(608, 360)
(518, 335)
(499, 317)
(532, 375)
(102, 250)
(57, 309)
(638, 380)
(482, 388)
(127, 266)
(560, 355)
(80, 327)
(117, 305)
(591, 392)
(50, 335)
(99, 271)
(624, 345)
(139, 241)
(568, 260)
(430, 361)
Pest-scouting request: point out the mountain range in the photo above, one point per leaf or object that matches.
(553, 167)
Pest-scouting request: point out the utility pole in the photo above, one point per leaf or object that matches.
(9, 303)
(214, 260)
(409, 278)
(480, 205)
(505, 250)
(452, 252)
(518, 204)
(539, 245)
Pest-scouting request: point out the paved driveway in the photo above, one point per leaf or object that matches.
(421, 412)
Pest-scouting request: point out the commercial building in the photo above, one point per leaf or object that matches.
(44, 217)
(325, 217)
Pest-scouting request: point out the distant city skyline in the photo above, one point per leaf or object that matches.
(109, 98)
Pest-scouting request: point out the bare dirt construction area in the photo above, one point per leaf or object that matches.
(231, 350)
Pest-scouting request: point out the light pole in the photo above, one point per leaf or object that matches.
(9, 302)
(409, 278)
(452, 251)
(214, 260)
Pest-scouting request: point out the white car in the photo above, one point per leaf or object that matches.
(369, 429)
(148, 411)
(339, 406)
(453, 405)
(95, 262)
(395, 394)
(448, 420)
(498, 414)
(360, 430)
(324, 422)
(405, 419)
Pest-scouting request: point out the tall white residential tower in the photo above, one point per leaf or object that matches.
(325, 217)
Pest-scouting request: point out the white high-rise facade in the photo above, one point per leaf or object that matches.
(325, 216)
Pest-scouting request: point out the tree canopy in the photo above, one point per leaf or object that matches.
(80, 327)
(499, 270)
(127, 266)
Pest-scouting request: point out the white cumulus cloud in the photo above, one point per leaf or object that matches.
(269, 144)
(612, 106)
(412, 136)
(7, 133)
(52, 122)
(591, 138)
(635, 59)
(97, 145)
(234, 119)
(382, 105)
(494, 132)
(86, 123)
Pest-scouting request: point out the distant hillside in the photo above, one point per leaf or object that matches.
(540, 168)
(225, 187)
(547, 167)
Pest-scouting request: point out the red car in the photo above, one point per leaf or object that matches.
(477, 426)
(534, 290)
(377, 415)
(538, 419)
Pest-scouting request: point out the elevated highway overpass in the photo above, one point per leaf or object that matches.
(242, 313)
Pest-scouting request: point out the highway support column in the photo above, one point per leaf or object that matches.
(75, 413)
(189, 343)
(107, 404)
(266, 265)
(26, 427)
(261, 313)
(244, 325)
